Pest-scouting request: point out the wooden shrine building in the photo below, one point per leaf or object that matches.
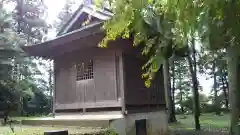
(93, 79)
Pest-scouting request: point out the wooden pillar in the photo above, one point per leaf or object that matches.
(62, 132)
(54, 90)
(122, 85)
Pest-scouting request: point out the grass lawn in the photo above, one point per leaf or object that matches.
(186, 122)
(207, 121)
(32, 130)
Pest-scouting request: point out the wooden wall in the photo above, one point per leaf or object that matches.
(101, 91)
(111, 86)
(136, 94)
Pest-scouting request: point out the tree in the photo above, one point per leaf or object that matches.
(169, 97)
(191, 58)
(213, 65)
(183, 82)
(17, 72)
(172, 77)
(64, 15)
(10, 95)
(217, 22)
(29, 19)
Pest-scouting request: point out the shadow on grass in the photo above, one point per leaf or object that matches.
(193, 132)
(179, 128)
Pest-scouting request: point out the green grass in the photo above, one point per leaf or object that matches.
(39, 130)
(207, 121)
(186, 122)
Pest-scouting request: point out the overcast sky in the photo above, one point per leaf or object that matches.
(53, 8)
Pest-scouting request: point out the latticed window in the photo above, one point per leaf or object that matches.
(84, 70)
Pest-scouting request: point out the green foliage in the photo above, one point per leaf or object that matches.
(214, 66)
(17, 73)
(109, 132)
(188, 102)
(141, 19)
(29, 19)
(182, 82)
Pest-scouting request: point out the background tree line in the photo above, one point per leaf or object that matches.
(26, 83)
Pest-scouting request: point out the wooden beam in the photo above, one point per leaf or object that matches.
(116, 64)
(122, 82)
(102, 104)
(54, 90)
(144, 108)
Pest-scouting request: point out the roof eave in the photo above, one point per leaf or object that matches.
(42, 49)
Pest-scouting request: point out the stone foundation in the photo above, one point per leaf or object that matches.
(156, 124)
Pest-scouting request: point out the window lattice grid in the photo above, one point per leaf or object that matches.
(84, 70)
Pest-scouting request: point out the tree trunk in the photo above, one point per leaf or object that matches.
(226, 81)
(167, 89)
(216, 102)
(193, 71)
(21, 106)
(224, 91)
(234, 86)
(173, 85)
(173, 90)
(50, 86)
(181, 94)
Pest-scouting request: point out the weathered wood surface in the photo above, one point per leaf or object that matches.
(105, 77)
(98, 104)
(101, 91)
(117, 81)
(136, 93)
(121, 81)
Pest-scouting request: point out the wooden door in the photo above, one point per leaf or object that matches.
(85, 82)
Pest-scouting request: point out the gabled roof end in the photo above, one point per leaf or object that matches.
(101, 14)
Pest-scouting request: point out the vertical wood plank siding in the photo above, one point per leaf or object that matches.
(135, 92)
(105, 77)
(101, 91)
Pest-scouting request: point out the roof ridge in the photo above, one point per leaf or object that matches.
(79, 11)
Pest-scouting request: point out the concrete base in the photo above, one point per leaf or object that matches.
(156, 123)
(96, 124)
(92, 120)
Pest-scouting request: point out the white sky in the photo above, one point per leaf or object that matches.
(53, 8)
